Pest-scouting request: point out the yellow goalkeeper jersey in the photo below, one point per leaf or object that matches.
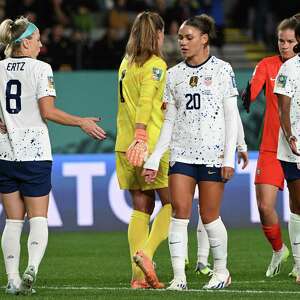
(140, 100)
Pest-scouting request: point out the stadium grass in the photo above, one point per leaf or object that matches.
(91, 265)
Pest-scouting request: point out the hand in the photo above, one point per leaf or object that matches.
(149, 175)
(292, 140)
(243, 156)
(227, 173)
(3, 128)
(89, 126)
(246, 97)
(137, 152)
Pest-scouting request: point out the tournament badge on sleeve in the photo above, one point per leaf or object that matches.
(157, 74)
(281, 81)
(51, 82)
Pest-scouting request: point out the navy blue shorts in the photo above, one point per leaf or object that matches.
(291, 170)
(30, 178)
(198, 172)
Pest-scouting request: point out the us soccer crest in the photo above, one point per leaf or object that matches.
(193, 81)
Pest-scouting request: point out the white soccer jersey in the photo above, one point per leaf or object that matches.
(23, 81)
(198, 93)
(288, 84)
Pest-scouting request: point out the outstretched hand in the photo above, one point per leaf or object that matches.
(90, 127)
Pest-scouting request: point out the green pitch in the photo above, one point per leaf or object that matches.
(96, 266)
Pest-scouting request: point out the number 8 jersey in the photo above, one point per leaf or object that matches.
(23, 81)
(198, 93)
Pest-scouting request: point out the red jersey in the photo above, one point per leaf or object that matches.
(264, 75)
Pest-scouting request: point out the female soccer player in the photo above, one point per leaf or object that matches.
(269, 176)
(142, 76)
(27, 96)
(287, 88)
(200, 128)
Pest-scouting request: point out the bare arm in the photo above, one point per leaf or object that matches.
(284, 106)
(88, 125)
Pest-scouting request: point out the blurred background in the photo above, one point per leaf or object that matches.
(84, 41)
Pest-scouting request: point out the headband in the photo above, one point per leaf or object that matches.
(31, 28)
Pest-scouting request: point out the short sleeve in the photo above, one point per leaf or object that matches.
(45, 84)
(285, 84)
(228, 81)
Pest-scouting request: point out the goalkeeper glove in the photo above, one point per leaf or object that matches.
(246, 97)
(138, 150)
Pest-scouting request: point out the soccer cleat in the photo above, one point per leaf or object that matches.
(11, 288)
(218, 281)
(139, 284)
(293, 273)
(177, 285)
(203, 269)
(146, 265)
(28, 280)
(278, 257)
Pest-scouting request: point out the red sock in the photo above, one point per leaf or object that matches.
(273, 234)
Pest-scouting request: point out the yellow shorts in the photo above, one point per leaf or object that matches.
(130, 178)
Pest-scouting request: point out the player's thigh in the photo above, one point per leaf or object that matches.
(13, 205)
(126, 173)
(182, 183)
(269, 170)
(37, 206)
(210, 198)
(266, 195)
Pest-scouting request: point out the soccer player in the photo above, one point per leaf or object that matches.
(200, 128)
(202, 265)
(287, 88)
(269, 175)
(142, 76)
(27, 96)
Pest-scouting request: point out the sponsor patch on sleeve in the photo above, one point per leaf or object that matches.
(157, 73)
(281, 81)
(233, 81)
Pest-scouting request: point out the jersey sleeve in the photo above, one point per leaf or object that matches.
(45, 84)
(168, 94)
(258, 80)
(153, 76)
(285, 84)
(228, 78)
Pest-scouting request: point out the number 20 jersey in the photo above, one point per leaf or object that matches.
(23, 81)
(198, 93)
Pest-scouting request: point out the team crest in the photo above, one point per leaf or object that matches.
(281, 81)
(157, 73)
(193, 81)
(208, 80)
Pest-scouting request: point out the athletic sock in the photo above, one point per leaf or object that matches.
(273, 235)
(217, 236)
(203, 243)
(138, 231)
(177, 246)
(11, 249)
(294, 232)
(37, 241)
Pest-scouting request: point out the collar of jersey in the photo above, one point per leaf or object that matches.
(20, 57)
(197, 66)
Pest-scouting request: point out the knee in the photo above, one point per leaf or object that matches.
(264, 208)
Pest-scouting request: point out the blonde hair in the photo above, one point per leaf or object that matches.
(143, 39)
(9, 31)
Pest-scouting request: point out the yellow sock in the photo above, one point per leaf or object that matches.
(138, 231)
(159, 230)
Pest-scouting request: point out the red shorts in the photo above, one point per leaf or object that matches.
(269, 170)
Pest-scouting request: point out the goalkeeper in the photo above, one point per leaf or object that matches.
(142, 76)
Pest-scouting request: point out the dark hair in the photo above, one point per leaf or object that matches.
(205, 24)
(297, 34)
(143, 42)
(297, 16)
